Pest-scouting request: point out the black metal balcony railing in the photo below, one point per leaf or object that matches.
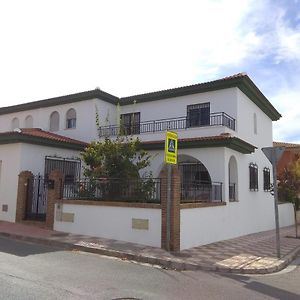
(145, 190)
(201, 192)
(219, 118)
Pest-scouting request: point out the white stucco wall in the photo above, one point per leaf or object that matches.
(245, 120)
(113, 223)
(10, 156)
(33, 156)
(200, 226)
(220, 101)
(86, 129)
(19, 157)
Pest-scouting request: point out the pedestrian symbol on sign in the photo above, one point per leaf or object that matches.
(171, 146)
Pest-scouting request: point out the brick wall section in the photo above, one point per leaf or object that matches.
(175, 209)
(163, 199)
(24, 176)
(53, 196)
(110, 203)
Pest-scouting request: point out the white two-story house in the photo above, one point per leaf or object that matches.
(222, 126)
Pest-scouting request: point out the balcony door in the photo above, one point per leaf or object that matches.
(198, 115)
(130, 123)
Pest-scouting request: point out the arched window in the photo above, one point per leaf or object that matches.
(233, 179)
(71, 118)
(15, 123)
(29, 122)
(54, 121)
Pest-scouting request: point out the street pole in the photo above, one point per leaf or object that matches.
(168, 227)
(274, 165)
(170, 159)
(273, 154)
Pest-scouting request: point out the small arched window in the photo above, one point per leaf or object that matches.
(71, 118)
(29, 122)
(15, 123)
(54, 121)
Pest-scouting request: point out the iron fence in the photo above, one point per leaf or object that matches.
(232, 193)
(197, 191)
(219, 118)
(70, 167)
(144, 190)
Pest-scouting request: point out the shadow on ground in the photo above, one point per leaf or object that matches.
(22, 248)
(255, 284)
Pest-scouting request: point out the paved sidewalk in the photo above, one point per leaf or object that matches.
(254, 253)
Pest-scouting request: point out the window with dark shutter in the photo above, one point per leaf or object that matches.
(130, 123)
(253, 177)
(198, 115)
(267, 180)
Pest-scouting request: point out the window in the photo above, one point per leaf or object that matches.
(267, 180)
(130, 123)
(15, 123)
(198, 115)
(253, 176)
(29, 122)
(71, 118)
(54, 121)
(255, 123)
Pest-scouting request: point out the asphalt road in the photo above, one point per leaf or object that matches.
(29, 271)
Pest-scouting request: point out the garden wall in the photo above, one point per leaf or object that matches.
(131, 222)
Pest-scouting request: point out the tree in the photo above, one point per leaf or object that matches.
(289, 184)
(115, 166)
(122, 158)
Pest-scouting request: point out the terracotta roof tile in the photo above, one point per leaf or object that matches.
(41, 134)
(177, 90)
(224, 140)
(196, 139)
(284, 144)
(37, 132)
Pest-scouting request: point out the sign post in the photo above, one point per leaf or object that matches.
(170, 159)
(273, 154)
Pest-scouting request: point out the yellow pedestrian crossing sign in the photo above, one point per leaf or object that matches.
(171, 148)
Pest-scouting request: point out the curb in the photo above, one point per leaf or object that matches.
(165, 263)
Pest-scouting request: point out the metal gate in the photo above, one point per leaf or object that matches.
(36, 200)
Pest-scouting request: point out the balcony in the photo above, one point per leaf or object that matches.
(179, 123)
(196, 191)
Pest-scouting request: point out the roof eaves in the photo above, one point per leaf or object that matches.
(233, 143)
(247, 86)
(15, 137)
(180, 91)
(88, 95)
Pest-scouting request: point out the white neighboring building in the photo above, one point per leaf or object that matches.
(222, 126)
(30, 149)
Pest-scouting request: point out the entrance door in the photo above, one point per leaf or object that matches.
(36, 201)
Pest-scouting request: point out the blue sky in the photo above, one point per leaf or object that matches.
(52, 48)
